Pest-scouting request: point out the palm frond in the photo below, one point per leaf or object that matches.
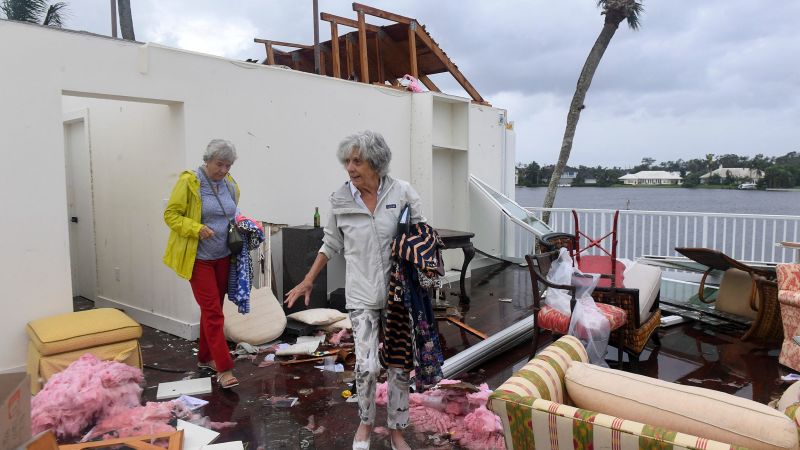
(24, 10)
(630, 9)
(55, 15)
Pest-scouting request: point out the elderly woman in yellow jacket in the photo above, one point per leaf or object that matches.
(200, 207)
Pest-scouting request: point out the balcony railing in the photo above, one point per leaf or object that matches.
(746, 237)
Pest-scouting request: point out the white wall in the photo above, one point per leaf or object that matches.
(487, 163)
(286, 126)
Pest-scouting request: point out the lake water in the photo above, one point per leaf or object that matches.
(667, 199)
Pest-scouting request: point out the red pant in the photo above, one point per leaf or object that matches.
(209, 284)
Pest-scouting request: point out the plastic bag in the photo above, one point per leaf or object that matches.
(560, 273)
(588, 324)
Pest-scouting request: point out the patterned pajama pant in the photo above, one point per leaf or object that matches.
(366, 326)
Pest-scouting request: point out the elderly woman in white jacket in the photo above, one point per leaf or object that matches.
(362, 224)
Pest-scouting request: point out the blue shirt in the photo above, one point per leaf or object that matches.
(213, 217)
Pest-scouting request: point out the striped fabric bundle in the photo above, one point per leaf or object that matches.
(411, 339)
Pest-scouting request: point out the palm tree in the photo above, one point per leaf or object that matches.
(126, 20)
(615, 12)
(35, 11)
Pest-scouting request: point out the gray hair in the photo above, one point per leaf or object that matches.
(220, 149)
(371, 147)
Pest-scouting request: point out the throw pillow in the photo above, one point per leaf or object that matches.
(264, 323)
(686, 409)
(318, 316)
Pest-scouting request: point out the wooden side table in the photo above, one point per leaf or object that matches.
(463, 240)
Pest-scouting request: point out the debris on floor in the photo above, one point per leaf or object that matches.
(106, 396)
(456, 409)
(278, 401)
(86, 389)
(191, 386)
(153, 417)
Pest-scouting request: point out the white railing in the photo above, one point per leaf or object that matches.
(746, 237)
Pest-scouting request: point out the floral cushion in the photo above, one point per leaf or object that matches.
(788, 277)
(789, 297)
(554, 320)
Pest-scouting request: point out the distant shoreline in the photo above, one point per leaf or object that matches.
(665, 186)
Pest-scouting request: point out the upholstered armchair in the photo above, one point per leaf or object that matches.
(546, 317)
(789, 298)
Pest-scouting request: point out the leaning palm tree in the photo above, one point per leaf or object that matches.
(35, 11)
(615, 12)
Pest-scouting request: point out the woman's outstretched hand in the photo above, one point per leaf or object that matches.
(303, 289)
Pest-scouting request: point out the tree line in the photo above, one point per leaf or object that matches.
(779, 172)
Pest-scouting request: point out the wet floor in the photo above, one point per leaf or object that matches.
(691, 354)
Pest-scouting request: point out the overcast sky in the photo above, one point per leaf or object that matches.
(711, 76)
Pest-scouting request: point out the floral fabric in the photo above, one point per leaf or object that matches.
(411, 338)
(788, 277)
(240, 277)
(551, 319)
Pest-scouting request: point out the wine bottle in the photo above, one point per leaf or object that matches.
(316, 217)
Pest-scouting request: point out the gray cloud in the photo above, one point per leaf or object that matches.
(697, 76)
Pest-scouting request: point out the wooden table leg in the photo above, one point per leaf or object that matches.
(469, 253)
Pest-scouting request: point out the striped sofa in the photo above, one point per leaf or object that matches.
(536, 412)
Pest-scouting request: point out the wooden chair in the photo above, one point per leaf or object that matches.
(716, 260)
(548, 318)
(767, 327)
(744, 291)
(639, 328)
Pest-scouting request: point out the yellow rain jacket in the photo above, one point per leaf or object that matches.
(182, 216)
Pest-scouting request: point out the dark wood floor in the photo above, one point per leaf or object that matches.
(690, 354)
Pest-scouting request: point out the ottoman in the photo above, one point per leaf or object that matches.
(57, 341)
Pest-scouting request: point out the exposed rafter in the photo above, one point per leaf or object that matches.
(371, 53)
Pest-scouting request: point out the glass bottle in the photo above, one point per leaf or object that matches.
(316, 217)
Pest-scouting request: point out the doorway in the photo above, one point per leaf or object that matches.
(80, 209)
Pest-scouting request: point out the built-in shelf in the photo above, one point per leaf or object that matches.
(450, 147)
(450, 123)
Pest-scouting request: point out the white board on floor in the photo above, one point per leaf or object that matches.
(195, 386)
(195, 436)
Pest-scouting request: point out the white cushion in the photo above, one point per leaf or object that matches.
(734, 293)
(687, 409)
(264, 323)
(318, 316)
(647, 279)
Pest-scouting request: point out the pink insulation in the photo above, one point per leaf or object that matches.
(87, 389)
(454, 412)
(151, 418)
(105, 394)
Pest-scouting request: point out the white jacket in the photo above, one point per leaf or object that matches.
(366, 239)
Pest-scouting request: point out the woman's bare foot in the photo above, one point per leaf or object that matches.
(398, 441)
(363, 432)
(361, 439)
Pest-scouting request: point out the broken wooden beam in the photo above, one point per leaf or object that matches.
(375, 12)
(452, 68)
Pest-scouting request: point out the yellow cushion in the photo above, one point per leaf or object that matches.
(80, 330)
(687, 409)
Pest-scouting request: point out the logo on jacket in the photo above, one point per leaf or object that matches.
(391, 206)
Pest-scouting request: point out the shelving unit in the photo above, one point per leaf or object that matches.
(450, 167)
